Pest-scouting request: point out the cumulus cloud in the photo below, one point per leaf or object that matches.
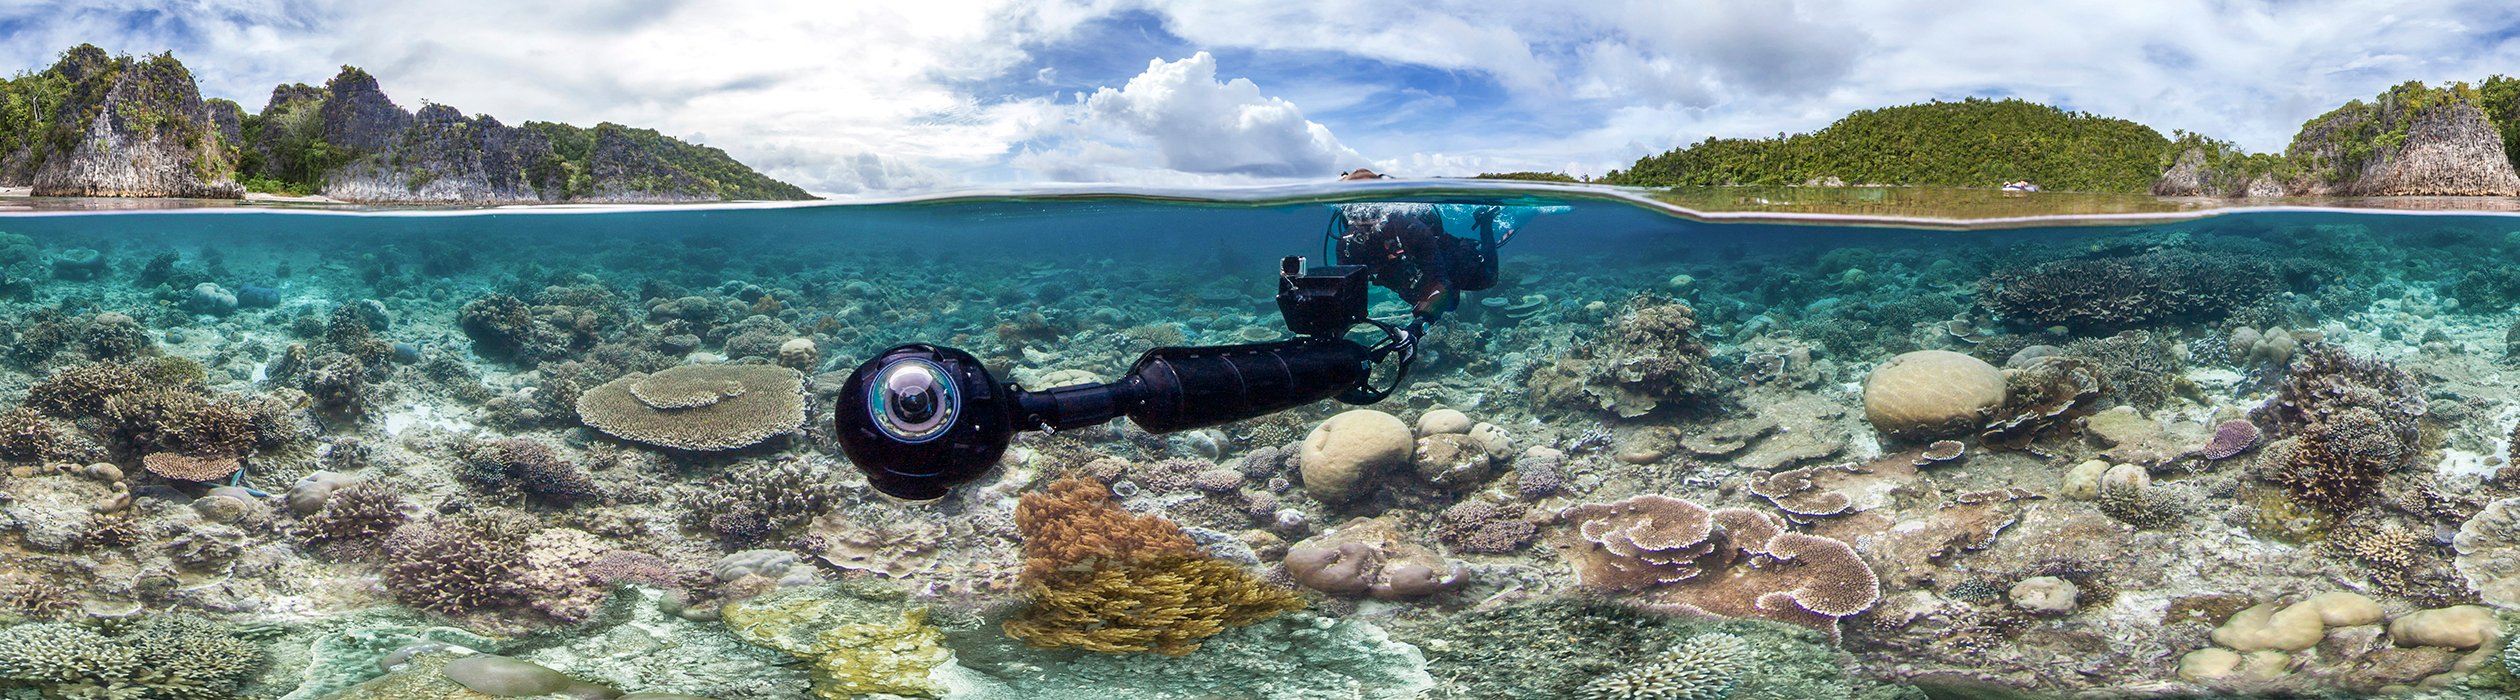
(1198, 124)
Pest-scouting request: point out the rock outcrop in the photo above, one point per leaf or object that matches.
(125, 127)
(2412, 141)
(444, 156)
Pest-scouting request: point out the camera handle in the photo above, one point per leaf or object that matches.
(1397, 340)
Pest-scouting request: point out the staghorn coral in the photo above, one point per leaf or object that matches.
(1704, 667)
(82, 390)
(2116, 293)
(461, 564)
(156, 657)
(1648, 356)
(751, 403)
(1099, 578)
(1676, 556)
(742, 506)
(352, 520)
(531, 467)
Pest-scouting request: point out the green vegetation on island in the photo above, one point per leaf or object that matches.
(1970, 143)
(1528, 176)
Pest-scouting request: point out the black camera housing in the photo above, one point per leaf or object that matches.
(1323, 302)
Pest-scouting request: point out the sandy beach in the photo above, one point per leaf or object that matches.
(16, 191)
(268, 197)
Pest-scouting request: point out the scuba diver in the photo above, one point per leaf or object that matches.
(919, 419)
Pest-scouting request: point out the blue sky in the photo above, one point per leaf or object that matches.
(850, 97)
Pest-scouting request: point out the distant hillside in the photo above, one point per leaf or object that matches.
(1971, 143)
(346, 140)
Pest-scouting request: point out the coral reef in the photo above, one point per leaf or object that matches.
(2110, 294)
(2345, 422)
(1648, 356)
(1671, 554)
(698, 407)
(1101, 579)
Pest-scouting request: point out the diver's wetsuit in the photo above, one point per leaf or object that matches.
(1406, 250)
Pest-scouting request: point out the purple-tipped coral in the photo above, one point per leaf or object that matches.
(2231, 438)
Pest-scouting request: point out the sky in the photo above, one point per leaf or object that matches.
(878, 98)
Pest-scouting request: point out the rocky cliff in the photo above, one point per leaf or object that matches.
(444, 156)
(104, 126)
(2411, 140)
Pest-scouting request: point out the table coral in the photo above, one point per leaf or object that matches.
(1677, 556)
(770, 403)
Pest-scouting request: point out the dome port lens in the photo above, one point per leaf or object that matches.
(914, 400)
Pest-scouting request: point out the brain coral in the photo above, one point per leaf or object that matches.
(698, 407)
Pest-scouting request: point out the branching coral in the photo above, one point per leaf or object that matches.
(2117, 293)
(531, 467)
(746, 505)
(82, 390)
(1101, 579)
(353, 520)
(1704, 667)
(1648, 356)
(158, 657)
(459, 565)
(2347, 423)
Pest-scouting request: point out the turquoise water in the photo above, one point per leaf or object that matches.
(1683, 459)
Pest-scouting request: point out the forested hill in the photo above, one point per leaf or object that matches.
(1970, 143)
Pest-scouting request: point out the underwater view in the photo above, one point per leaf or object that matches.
(255, 452)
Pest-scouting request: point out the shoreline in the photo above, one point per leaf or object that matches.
(17, 191)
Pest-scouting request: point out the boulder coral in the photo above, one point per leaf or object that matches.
(2346, 422)
(1931, 394)
(1370, 557)
(1673, 555)
(1349, 450)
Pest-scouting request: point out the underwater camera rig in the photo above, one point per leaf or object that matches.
(919, 419)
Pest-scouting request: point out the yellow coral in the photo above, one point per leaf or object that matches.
(856, 646)
(1166, 604)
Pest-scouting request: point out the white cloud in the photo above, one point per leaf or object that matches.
(1198, 124)
(851, 97)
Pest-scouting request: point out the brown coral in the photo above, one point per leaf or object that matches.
(2050, 392)
(1168, 605)
(81, 391)
(182, 467)
(1739, 563)
(770, 402)
(1074, 524)
(1101, 579)
(1648, 356)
